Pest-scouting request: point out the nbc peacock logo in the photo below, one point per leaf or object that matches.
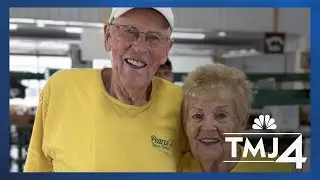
(264, 122)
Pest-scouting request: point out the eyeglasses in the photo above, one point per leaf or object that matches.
(131, 33)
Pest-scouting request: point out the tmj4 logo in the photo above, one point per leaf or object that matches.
(268, 123)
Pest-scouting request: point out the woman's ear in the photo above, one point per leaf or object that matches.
(107, 38)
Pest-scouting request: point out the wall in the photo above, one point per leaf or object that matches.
(92, 45)
(248, 19)
(295, 20)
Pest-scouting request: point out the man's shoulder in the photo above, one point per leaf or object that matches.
(73, 76)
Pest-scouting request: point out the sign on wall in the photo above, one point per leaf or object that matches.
(274, 43)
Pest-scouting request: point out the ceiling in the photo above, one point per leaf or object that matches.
(243, 27)
(291, 20)
(55, 30)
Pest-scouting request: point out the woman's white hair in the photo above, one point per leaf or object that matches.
(205, 80)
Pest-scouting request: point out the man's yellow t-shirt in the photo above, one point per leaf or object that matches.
(189, 163)
(79, 127)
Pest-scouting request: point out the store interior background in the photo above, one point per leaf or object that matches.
(43, 40)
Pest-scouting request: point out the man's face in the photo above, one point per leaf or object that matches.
(135, 60)
(165, 74)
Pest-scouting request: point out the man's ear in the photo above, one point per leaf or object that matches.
(107, 38)
(169, 46)
(167, 51)
(164, 60)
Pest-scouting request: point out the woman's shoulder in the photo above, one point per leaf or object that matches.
(188, 163)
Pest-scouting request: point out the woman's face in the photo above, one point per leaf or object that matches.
(206, 121)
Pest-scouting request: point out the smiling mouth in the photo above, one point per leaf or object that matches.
(135, 63)
(209, 141)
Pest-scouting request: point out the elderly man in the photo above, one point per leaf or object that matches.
(121, 119)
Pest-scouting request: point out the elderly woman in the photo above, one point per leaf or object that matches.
(121, 119)
(217, 101)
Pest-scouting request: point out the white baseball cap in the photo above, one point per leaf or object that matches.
(166, 12)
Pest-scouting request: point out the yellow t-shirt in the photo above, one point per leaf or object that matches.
(79, 127)
(189, 163)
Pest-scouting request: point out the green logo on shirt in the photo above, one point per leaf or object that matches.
(161, 143)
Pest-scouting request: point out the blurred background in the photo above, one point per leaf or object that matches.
(271, 45)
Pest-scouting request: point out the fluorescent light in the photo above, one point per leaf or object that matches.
(53, 45)
(222, 34)
(22, 20)
(87, 24)
(40, 24)
(100, 25)
(22, 44)
(50, 22)
(190, 30)
(190, 51)
(73, 30)
(184, 35)
(43, 45)
(13, 27)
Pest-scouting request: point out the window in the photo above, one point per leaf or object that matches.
(35, 64)
(24, 64)
(54, 63)
(39, 64)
